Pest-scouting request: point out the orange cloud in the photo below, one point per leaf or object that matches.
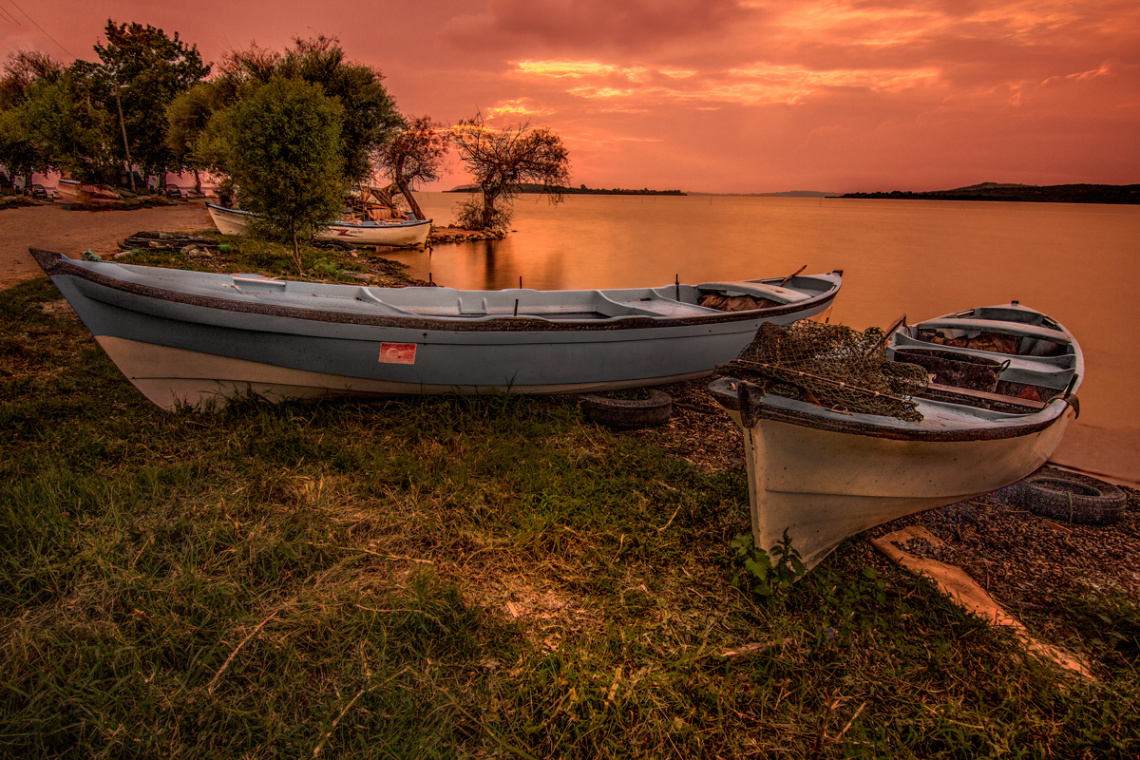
(756, 84)
(519, 107)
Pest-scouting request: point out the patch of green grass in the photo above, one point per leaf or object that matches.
(242, 253)
(453, 577)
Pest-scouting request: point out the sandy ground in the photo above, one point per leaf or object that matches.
(72, 232)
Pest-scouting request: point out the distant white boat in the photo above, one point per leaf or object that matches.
(824, 474)
(194, 337)
(396, 234)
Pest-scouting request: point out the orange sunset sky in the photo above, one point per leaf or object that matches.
(735, 96)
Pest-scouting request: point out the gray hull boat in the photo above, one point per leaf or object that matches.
(193, 338)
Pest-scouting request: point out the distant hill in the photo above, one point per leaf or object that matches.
(998, 191)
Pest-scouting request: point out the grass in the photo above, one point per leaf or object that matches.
(456, 577)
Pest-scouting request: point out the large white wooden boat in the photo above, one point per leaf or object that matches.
(825, 474)
(192, 337)
(397, 233)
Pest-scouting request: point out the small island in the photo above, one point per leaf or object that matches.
(528, 187)
(997, 191)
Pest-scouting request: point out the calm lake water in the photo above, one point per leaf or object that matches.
(1075, 262)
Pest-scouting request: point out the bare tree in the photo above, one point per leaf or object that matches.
(414, 155)
(23, 69)
(502, 160)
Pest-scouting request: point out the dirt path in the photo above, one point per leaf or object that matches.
(72, 232)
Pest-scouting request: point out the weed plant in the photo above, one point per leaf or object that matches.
(454, 577)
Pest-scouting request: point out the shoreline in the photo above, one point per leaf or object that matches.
(72, 232)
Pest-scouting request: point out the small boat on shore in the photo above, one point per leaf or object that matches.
(191, 338)
(1038, 358)
(405, 233)
(823, 473)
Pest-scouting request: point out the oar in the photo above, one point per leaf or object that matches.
(784, 281)
(900, 322)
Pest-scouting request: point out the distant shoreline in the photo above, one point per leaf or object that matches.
(986, 191)
(993, 191)
(580, 190)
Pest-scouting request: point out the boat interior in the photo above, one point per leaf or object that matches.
(672, 301)
(1034, 359)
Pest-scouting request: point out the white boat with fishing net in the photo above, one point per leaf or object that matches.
(836, 446)
(395, 233)
(194, 337)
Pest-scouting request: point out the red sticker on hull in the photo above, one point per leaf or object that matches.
(397, 353)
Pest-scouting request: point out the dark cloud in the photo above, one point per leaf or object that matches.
(577, 26)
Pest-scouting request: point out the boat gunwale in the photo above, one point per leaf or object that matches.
(747, 400)
(1000, 327)
(56, 264)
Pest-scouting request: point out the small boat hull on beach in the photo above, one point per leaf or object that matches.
(395, 234)
(194, 338)
(823, 475)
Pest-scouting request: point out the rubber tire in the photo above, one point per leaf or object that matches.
(1070, 497)
(629, 413)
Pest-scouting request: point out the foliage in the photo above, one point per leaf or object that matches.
(767, 572)
(146, 98)
(47, 122)
(141, 73)
(188, 117)
(284, 142)
(74, 119)
(414, 154)
(369, 117)
(501, 160)
(472, 214)
(23, 69)
(52, 128)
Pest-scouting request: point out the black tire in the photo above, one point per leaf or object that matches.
(629, 413)
(1070, 496)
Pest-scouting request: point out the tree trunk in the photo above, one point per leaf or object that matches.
(489, 197)
(296, 248)
(417, 212)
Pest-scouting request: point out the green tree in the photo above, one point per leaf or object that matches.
(501, 160)
(412, 156)
(52, 129)
(284, 153)
(23, 69)
(370, 116)
(25, 72)
(141, 72)
(187, 122)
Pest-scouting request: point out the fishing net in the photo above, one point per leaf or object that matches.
(831, 366)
